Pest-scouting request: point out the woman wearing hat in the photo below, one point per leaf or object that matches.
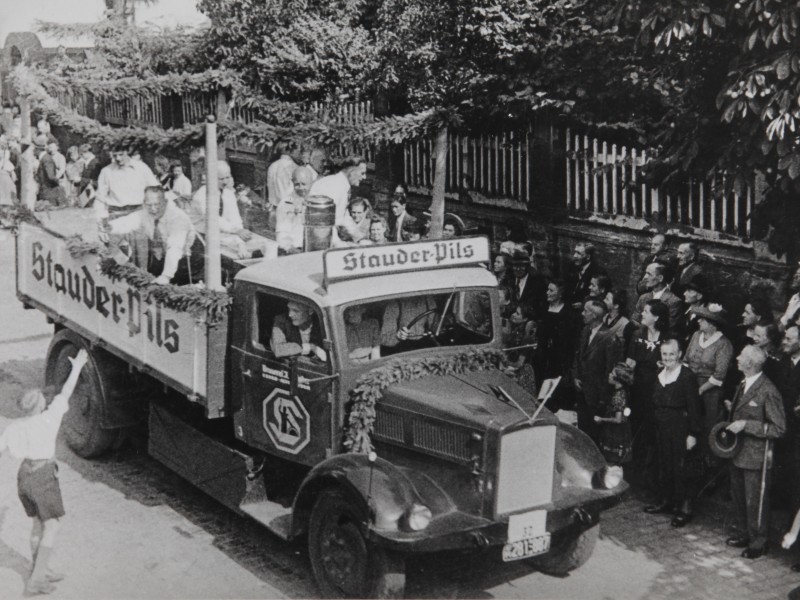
(709, 355)
(695, 294)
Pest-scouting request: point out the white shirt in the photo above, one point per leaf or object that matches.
(230, 221)
(657, 295)
(748, 381)
(290, 219)
(791, 308)
(122, 186)
(521, 284)
(175, 229)
(593, 332)
(279, 180)
(34, 437)
(667, 377)
(337, 188)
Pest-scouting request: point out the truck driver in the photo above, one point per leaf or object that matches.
(296, 333)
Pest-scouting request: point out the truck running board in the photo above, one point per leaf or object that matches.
(216, 468)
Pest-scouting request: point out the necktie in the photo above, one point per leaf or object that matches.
(157, 245)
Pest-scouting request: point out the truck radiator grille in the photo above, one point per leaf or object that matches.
(526, 465)
(444, 441)
(388, 426)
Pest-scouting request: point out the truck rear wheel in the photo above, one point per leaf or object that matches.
(83, 423)
(569, 553)
(344, 562)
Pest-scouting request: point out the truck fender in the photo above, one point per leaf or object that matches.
(111, 372)
(382, 489)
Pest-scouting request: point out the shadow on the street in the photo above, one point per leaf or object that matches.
(10, 558)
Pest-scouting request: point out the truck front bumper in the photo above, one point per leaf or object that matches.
(461, 531)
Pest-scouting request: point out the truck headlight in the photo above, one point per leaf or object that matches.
(607, 477)
(418, 517)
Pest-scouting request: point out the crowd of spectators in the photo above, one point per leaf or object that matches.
(662, 380)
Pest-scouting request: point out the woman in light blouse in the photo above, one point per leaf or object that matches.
(709, 356)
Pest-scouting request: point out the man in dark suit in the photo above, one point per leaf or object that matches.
(50, 189)
(757, 416)
(580, 278)
(657, 277)
(658, 254)
(787, 450)
(688, 267)
(529, 287)
(598, 351)
(399, 218)
(695, 294)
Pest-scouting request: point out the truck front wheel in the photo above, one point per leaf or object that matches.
(569, 552)
(82, 425)
(344, 562)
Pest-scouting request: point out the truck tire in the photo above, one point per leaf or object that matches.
(344, 562)
(569, 553)
(83, 424)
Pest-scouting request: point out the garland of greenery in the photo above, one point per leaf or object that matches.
(369, 387)
(319, 129)
(78, 247)
(126, 87)
(194, 300)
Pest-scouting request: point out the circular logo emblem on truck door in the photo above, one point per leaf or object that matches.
(286, 421)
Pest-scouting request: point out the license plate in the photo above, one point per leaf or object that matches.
(526, 548)
(527, 525)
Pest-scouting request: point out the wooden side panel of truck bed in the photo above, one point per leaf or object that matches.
(170, 345)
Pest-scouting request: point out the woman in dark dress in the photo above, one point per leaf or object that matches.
(676, 409)
(644, 353)
(556, 335)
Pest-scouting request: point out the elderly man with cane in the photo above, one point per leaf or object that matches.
(758, 417)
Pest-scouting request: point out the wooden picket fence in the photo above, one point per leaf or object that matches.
(496, 165)
(606, 180)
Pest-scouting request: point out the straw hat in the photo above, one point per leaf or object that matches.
(713, 313)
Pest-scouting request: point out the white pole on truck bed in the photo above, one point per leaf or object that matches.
(27, 191)
(213, 264)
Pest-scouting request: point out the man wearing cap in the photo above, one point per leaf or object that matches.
(695, 294)
(757, 416)
(121, 185)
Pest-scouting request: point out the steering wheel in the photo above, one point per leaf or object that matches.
(434, 335)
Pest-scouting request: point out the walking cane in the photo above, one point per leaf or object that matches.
(763, 478)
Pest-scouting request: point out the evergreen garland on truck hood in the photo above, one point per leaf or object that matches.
(369, 387)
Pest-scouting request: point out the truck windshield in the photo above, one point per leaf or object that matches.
(385, 327)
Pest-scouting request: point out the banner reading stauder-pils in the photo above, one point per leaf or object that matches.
(145, 333)
(362, 261)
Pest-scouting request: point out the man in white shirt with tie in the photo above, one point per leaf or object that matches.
(175, 255)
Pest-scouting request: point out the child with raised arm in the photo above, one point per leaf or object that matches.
(33, 439)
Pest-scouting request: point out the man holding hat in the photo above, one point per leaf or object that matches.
(757, 416)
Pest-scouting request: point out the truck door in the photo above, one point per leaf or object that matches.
(284, 407)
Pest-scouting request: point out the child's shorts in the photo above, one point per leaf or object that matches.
(38, 489)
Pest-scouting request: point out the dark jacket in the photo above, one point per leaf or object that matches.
(680, 395)
(593, 363)
(673, 302)
(49, 188)
(577, 283)
(762, 409)
(684, 275)
(534, 294)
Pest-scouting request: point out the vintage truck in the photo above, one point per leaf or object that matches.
(451, 457)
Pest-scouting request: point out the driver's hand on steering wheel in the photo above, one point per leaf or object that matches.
(403, 333)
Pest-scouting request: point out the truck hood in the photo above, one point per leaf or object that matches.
(465, 399)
